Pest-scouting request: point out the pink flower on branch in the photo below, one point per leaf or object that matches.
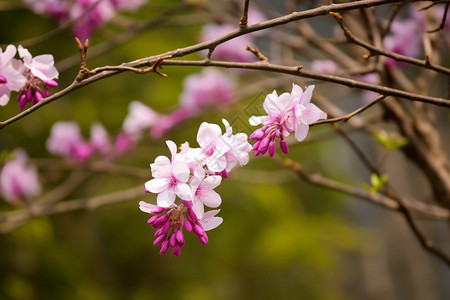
(287, 113)
(11, 77)
(19, 179)
(192, 175)
(66, 140)
(40, 73)
(170, 178)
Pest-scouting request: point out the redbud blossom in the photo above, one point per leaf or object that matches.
(18, 179)
(287, 113)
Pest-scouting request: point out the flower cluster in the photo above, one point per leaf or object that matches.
(18, 179)
(192, 175)
(67, 141)
(287, 113)
(87, 15)
(30, 76)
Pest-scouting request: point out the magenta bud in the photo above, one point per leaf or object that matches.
(38, 96)
(180, 237)
(156, 210)
(192, 215)
(165, 228)
(173, 240)
(3, 79)
(152, 219)
(161, 220)
(147, 191)
(257, 135)
(159, 240)
(264, 145)
(51, 83)
(256, 145)
(176, 250)
(46, 93)
(164, 247)
(29, 94)
(203, 239)
(188, 225)
(284, 146)
(272, 148)
(198, 230)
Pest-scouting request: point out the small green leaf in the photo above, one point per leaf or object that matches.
(390, 140)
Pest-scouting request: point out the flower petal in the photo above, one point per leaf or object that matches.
(312, 113)
(161, 167)
(208, 134)
(306, 98)
(172, 147)
(211, 182)
(146, 207)
(198, 209)
(184, 191)
(256, 120)
(301, 130)
(166, 198)
(157, 185)
(180, 168)
(211, 198)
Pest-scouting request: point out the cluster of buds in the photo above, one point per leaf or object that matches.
(170, 221)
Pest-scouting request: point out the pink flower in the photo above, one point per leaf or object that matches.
(100, 140)
(213, 147)
(124, 143)
(140, 117)
(87, 14)
(239, 147)
(19, 179)
(170, 178)
(287, 113)
(210, 88)
(66, 140)
(203, 192)
(11, 78)
(40, 73)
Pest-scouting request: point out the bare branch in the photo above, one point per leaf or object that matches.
(374, 50)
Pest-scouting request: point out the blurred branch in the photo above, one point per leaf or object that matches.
(378, 51)
(374, 198)
(9, 219)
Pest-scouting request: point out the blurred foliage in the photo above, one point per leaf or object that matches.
(281, 239)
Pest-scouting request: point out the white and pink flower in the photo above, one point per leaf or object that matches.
(287, 113)
(170, 178)
(11, 77)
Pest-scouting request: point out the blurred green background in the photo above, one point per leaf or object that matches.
(280, 239)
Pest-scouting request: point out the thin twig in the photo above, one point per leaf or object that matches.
(372, 197)
(374, 50)
(352, 114)
(244, 18)
(444, 18)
